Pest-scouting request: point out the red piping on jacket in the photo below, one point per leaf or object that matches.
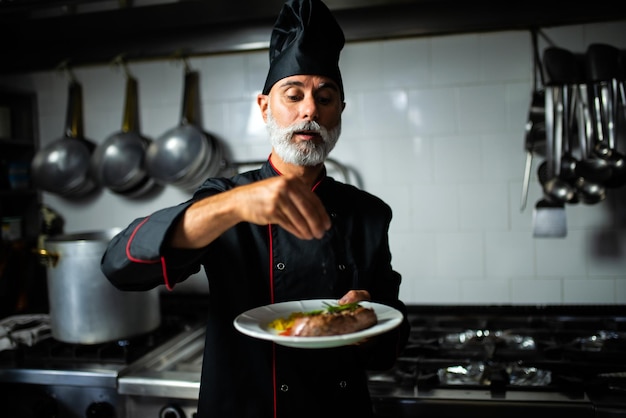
(138, 260)
(269, 230)
(271, 250)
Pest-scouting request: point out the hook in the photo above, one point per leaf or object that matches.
(537, 65)
(545, 37)
(121, 61)
(179, 54)
(64, 66)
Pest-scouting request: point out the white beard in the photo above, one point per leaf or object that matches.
(305, 153)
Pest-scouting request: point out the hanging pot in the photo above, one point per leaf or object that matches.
(185, 155)
(119, 162)
(64, 166)
(85, 308)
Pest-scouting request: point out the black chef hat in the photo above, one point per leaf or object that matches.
(306, 40)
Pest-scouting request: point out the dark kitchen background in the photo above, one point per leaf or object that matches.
(435, 124)
(517, 305)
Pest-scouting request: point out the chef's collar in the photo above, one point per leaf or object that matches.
(268, 170)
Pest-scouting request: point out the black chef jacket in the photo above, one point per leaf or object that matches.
(250, 266)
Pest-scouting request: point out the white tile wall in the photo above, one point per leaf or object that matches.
(433, 125)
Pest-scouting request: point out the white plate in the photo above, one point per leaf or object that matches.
(255, 323)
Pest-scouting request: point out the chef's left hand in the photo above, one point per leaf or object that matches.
(354, 296)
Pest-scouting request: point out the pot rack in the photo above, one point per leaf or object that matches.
(227, 166)
(575, 118)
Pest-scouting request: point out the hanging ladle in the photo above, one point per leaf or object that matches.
(589, 191)
(555, 187)
(602, 70)
(556, 61)
(568, 160)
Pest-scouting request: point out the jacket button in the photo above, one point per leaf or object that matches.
(343, 384)
(284, 388)
(280, 266)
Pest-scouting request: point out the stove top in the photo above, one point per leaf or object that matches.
(486, 361)
(511, 355)
(37, 358)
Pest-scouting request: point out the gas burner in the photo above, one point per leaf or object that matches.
(59, 353)
(515, 361)
(494, 375)
(23, 330)
(603, 341)
(49, 351)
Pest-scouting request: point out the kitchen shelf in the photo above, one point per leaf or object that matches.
(18, 145)
(22, 277)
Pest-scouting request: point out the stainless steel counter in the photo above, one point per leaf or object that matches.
(170, 371)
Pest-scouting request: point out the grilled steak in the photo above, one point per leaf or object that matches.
(334, 323)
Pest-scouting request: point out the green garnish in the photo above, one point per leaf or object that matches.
(334, 308)
(345, 307)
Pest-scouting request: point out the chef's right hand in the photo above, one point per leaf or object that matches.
(278, 200)
(287, 202)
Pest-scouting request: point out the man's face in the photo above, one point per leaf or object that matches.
(303, 116)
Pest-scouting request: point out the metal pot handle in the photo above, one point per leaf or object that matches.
(47, 258)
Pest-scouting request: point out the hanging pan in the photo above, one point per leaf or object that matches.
(119, 162)
(64, 166)
(185, 155)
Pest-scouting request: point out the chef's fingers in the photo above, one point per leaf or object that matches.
(304, 212)
(285, 202)
(355, 295)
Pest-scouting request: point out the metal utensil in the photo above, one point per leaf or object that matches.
(85, 308)
(568, 160)
(535, 130)
(558, 64)
(589, 191)
(590, 167)
(64, 166)
(185, 155)
(119, 162)
(602, 65)
(549, 220)
(555, 188)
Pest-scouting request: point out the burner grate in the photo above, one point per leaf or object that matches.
(120, 352)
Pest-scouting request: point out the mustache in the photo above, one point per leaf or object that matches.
(308, 126)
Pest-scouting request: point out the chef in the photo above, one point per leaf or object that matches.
(286, 231)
